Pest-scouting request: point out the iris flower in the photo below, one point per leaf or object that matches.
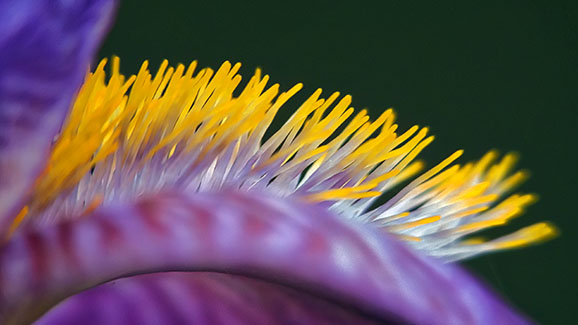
(158, 199)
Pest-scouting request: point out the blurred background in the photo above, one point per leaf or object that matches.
(482, 75)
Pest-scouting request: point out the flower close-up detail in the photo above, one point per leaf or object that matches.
(167, 197)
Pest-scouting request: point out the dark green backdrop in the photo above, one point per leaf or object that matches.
(481, 74)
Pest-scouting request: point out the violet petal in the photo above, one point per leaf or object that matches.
(198, 298)
(45, 50)
(285, 241)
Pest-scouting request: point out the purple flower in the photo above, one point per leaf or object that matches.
(158, 199)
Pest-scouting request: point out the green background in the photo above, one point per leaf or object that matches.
(481, 74)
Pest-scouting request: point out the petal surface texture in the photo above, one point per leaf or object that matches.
(285, 241)
(198, 298)
(45, 49)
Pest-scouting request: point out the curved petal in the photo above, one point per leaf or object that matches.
(198, 298)
(45, 49)
(283, 241)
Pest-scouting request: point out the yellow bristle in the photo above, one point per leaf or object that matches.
(413, 224)
(526, 236)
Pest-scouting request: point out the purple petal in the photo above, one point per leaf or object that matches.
(283, 241)
(198, 298)
(45, 50)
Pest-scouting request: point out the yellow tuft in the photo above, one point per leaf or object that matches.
(125, 123)
(128, 121)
